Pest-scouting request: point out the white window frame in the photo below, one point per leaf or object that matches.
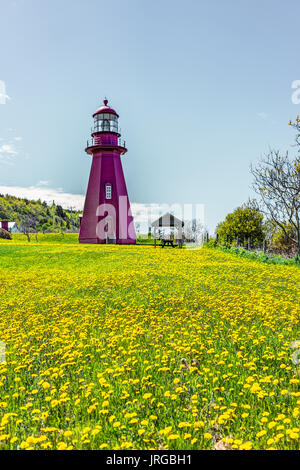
(108, 191)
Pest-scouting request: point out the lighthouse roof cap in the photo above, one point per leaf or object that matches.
(105, 109)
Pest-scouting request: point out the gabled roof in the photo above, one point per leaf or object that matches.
(168, 220)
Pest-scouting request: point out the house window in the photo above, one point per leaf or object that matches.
(108, 192)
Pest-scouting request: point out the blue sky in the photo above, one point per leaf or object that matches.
(202, 88)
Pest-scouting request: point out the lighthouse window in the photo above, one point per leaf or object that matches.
(108, 191)
(106, 125)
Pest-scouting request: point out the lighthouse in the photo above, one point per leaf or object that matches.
(107, 215)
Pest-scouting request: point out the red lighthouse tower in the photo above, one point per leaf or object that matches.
(107, 216)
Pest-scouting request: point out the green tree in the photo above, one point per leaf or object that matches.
(243, 223)
(60, 212)
(276, 180)
(281, 241)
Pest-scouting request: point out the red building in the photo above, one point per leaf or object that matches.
(4, 224)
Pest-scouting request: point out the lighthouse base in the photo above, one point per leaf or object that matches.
(96, 241)
(107, 213)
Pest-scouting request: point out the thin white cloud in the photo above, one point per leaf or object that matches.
(3, 95)
(40, 191)
(141, 212)
(45, 194)
(144, 214)
(7, 149)
(7, 153)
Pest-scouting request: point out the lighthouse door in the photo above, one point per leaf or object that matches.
(110, 232)
(111, 240)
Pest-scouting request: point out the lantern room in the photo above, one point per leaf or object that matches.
(106, 119)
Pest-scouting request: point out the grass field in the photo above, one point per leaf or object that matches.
(135, 348)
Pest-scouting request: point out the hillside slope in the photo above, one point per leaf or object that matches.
(17, 209)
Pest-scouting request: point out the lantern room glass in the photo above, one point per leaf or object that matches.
(106, 122)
